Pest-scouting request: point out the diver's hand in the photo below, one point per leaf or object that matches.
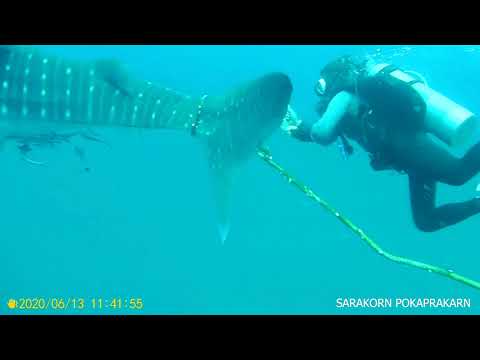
(294, 127)
(302, 132)
(290, 121)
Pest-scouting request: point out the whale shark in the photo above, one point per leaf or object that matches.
(42, 92)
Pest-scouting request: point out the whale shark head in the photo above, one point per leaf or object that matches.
(262, 105)
(235, 125)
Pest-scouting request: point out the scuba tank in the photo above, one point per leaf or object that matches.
(448, 121)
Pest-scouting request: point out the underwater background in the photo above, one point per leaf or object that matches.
(141, 224)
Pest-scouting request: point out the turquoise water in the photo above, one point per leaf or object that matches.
(141, 224)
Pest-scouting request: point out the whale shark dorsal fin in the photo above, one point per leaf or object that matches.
(116, 75)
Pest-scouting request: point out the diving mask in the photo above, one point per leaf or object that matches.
(321, 87)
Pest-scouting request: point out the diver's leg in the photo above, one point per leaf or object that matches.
(429, 218)
(471, 163)
(421, 156)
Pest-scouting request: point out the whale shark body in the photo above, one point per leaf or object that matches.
(41, 93)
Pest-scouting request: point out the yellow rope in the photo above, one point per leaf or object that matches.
(267, 157)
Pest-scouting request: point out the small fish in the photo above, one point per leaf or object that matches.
(26, 143)
(93, 137)
(79, 152)
(33, 162)
(24, 148)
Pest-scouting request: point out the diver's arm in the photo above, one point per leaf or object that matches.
(325, 130)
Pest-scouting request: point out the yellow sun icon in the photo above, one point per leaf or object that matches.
(12, 304)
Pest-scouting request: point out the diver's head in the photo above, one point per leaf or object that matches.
(338, 75)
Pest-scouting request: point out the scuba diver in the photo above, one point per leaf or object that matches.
(392, 114)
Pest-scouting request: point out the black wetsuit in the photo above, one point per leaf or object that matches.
(408, 149)
(427, 163)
